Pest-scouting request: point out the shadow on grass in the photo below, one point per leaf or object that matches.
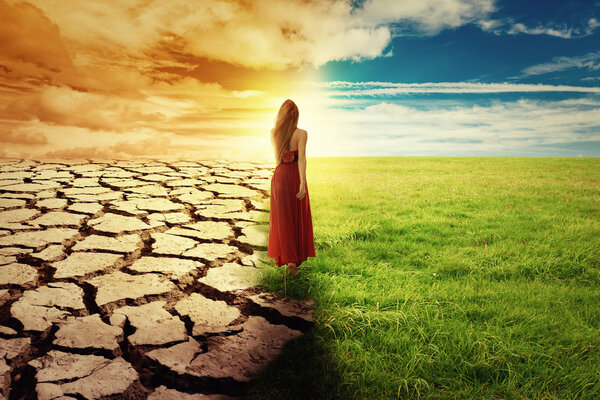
(304, 370)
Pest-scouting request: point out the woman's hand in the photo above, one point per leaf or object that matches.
(302, 190)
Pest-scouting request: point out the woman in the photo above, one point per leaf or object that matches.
(291, 238)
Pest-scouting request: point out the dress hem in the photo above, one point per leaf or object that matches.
(279, 263)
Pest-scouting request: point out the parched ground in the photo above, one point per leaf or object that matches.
(136, 279)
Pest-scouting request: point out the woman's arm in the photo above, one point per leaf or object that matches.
(303, 136)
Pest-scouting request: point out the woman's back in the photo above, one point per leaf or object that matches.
(294, 140)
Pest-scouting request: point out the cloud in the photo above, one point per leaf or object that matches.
(254, 149)
(502, 128)
(428, 17)
(589, 61)
(279, 33)
(510, 27)
(31, 42)
(36, 53)
(148, 147)
(340, 88)
(23, 137)
(62, 105)
(185, 106)
(87, 152)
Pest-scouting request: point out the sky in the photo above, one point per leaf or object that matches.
(193, 80)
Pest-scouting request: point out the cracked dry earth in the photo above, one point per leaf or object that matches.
(136, 279)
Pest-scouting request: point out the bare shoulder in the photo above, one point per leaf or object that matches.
(302, 133)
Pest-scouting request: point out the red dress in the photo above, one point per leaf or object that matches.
(290, 221)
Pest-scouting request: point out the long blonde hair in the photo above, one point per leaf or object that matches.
(285, 126)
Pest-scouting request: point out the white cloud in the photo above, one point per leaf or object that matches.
(590, 61)
(340, 88)
(428, 16)
(363, 127)
(490, 25)
(509, 26)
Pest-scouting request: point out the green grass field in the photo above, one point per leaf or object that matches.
(447, 278)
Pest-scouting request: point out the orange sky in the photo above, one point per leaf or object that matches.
(168, 79)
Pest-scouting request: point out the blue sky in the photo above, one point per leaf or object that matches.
(471, 53)
(545, 55)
